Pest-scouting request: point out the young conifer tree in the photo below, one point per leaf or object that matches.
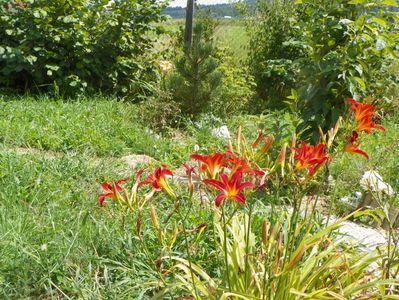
(197, 75)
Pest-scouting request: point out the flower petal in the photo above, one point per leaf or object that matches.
(165, 171)
(219, 198)
(246, 185)
(106, 186)
(215, 183)
(101, 199)
(240, 198)
(199, 157)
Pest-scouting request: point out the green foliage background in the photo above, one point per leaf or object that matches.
(320, 52)
(70, 46)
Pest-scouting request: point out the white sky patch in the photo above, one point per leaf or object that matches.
(183, 3)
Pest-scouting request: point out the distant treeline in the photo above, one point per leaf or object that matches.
(216, 10)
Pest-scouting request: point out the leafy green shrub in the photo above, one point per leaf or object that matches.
(350, 45)
(275, 45)
(389, 101)
(236, 88)
(160, 112)
(78, 45)
(326, 50)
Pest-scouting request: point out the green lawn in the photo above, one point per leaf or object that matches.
(100, 127)
(228, 33)
(232, 34)
(97, 127)
(55, 242)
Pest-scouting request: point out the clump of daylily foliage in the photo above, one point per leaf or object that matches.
(255, 249)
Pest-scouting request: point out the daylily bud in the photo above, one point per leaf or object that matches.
(293, 144)
(279, 252)
(256, 142)
(149, 195)
(273, 236)
(269, 139)
(322, 138)
(154, 219)
(135, 188)
(189, 172)
(296, 258)
(239, 139)
(281, 158)
(265, 177)
(280, 242)
(274, 231)
(198, 228)
(175, 233)
(333, 132)
(230, 147)
(137, 181)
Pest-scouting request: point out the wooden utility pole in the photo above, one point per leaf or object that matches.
(188, 34)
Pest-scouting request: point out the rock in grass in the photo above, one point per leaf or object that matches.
(353, 200)
(135, 160)
(376, 192)
(372, 181)
(221, 132)
(365, 237)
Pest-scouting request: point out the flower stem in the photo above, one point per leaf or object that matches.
(188, 253)
(247, 247)
(225, 248)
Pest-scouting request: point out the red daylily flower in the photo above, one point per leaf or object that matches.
(231, 188)
(238, 163)
(364, 113)
(353, 148)
(158, 180)
(212, 163)
(367, 124)
(110, 190)
(310, 157)
(361, 109)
